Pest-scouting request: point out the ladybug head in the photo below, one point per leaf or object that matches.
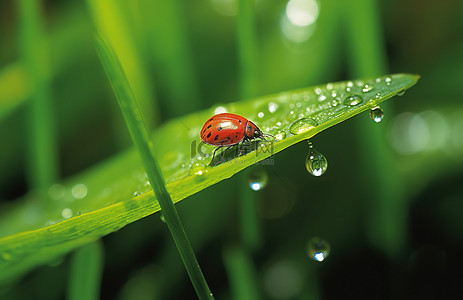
(252, 131)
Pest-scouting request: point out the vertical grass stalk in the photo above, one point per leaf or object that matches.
(42, 167)
(240, 268)
(135, 123)
(387, 215)
(86, 270)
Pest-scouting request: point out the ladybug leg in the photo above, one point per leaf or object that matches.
(241, 147)
(213, 155)
(225, 151)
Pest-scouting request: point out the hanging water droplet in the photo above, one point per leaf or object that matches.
(376, 114)
(257, 179)
(281, 135)
(315, 162)
(197, 168)
(366, 88)
(161, 216)
(353, 100)
(302, 125)
(401, 93)
(318, 249)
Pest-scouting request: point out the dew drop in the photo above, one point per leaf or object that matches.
(281, 135)
(197, 168)
(353, 100)
(302, 125)
(260, 114)
(220, 110)
(335, 102)
(388, 80)
(272, 107)
(318, 91)
(401, 93)
(376, 114)
(377, 96)
(315, 162)
(291, 116)
(366, 88)
(79, 191)
(56, 191)
(322, 98)
(257, 179)
(66, 213)
(318, 249)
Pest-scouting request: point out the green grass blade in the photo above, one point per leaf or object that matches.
(116, 193)
(110, 21)
(86, 271)
(137, 128)
(42, 150)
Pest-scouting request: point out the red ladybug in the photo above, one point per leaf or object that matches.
(227, 130)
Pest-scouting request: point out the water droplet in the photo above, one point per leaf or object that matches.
(401, 93)
(348, 89)
(66, 213)
(388, 80)
(280, 135)
(318, 249)
(350, 84)
(366, 88)
(260, 114)
(377, 96)
(272, 107)
(291, 116)
(56, 191)
(318, 91)
(335, 102)
(353, 100)
(257, 179)
(329, 86)
(220, 110)
(302, 125)
(161, 216)
(137, 193)
(6, 256)
(197, 168)
(376, 114)
(79, 191)
(322, 98)
(315, 162)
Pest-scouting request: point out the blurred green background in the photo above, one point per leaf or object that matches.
(389, 205)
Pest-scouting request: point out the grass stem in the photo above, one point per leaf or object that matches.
(139, 134)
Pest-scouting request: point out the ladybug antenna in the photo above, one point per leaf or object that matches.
(264, 135)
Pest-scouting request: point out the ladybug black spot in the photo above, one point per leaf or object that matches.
(216, 137)
(209, 134)
(228, 137)
(219, 128)
(210, 125)
(240, 121)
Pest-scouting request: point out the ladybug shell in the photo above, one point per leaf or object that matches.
(228, 129)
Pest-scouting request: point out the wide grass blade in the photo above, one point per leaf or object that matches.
(116, 193)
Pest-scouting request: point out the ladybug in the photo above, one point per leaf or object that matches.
(227, 130)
